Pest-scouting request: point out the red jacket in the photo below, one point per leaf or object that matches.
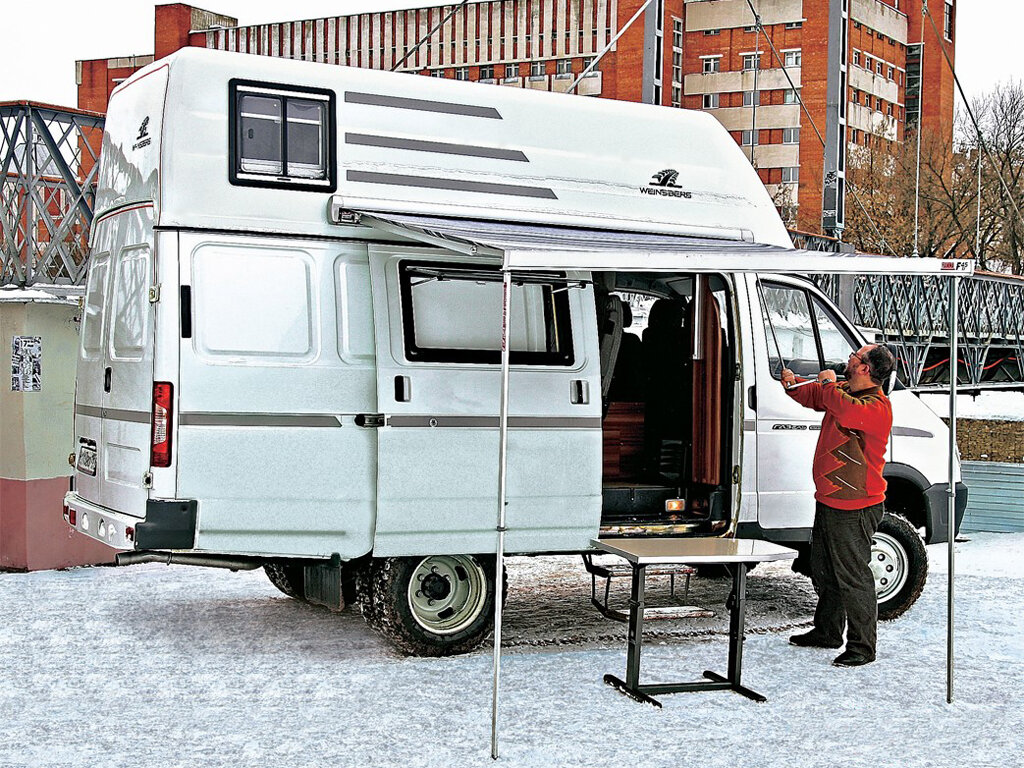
(850, 455)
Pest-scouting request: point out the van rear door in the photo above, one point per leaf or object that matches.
(438, 332)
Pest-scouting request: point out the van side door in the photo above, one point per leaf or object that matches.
(802, 332)
(437, 329)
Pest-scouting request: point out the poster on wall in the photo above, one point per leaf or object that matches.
(26, 364)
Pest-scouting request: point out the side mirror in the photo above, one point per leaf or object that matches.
(890, 384)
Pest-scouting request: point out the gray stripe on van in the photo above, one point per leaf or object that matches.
(114, 414)
(421, 105)
(196, 419)
(460, 185)
(911, 432)
(440, 147)
(493, 422)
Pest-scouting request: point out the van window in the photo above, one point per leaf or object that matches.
(252, 303)
(92, 316)
(452, 315)
(281, 136)
(804, 330)
(836, 342)
(129, 326)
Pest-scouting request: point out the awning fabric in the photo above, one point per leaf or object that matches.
(526, 247)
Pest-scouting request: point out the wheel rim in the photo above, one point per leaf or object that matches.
(447, 593)
(889, 566)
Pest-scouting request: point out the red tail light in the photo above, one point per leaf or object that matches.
(163, 398)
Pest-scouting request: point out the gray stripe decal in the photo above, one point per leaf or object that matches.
(115, 414)
(911, 432)
(258, 420)
(456, 184)
(441, 147)
(422, 105)
(749, 425)
(514, 422)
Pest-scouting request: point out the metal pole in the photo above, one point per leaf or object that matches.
(920, 112)
(954, 300)
(499, 564)
(977, 226)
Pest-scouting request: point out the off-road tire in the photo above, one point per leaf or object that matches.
(899, 563)
(287, 577)
(459, 619)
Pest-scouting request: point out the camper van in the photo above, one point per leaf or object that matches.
(290, 340)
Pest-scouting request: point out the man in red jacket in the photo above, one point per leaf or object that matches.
(850, 492)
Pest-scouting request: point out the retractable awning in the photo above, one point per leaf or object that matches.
(526, 247)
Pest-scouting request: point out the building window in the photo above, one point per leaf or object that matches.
(794, 24)
(433, 317)
(712, 64)
(790, 135)
(790, 175)
(711, 100)
(563, 68)
(677, 96)
(751, 61)
(749, 138)
(751, 28)
(487, 73)
(878, 104)
(791, 58)
(948, 21)
(751, 98)
(879, 67)
(677, 33)
(586, 63)
(890, 73)
(281, 136)
(856, 58)
(710, 32)
(536, 69)
(462, 73)
(437, 73)
(789, 96)
(511, 71)
(677, 66)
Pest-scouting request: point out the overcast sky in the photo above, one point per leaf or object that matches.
(40, 41)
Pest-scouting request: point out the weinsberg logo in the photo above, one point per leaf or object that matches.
(663, 184)
(143, 139)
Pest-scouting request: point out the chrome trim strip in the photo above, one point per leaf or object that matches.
(459, 185)
(196, 419)
(441, 147)
(492, 422)
(422, 105)
(115, 414)
(911, 432)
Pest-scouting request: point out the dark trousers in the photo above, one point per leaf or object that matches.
(840, 557)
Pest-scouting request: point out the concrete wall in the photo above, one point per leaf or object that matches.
(36, 437)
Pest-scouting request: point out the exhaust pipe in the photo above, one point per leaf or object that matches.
(177, 558)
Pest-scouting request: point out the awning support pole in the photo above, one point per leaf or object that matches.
(954, 331)
(499, 565)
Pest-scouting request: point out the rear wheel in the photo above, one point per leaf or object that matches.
(440, 605)
(289, 578)
(899, 563)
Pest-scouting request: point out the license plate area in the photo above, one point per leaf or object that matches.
(86, 463)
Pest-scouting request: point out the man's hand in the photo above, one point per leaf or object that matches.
(788, 379)
(827, 376)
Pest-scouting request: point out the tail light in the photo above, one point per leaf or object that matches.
(163, 398)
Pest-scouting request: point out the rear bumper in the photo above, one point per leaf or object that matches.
(167, 525)
(936, 500)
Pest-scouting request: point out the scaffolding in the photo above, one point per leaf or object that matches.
(49, 160)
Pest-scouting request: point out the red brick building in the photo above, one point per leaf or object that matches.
(857, 65)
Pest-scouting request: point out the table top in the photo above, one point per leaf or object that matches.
(693, 550)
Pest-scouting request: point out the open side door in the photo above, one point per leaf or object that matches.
(437, 318)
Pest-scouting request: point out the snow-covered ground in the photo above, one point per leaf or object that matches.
(170, 666)
(998, 406)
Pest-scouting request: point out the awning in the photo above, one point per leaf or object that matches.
(526, 247)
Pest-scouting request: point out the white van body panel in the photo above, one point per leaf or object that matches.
(920, 439)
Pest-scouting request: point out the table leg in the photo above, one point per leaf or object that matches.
(737, 617)
(631, 686)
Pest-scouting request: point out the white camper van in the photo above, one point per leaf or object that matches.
(289, 349)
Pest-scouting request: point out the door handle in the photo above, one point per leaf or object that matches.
(106, 379)
(579, 392)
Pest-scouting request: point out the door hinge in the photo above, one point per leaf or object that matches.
(154, 293)
(736, 475)
(147, 480)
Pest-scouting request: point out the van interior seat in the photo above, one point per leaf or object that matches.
(610, 322)
(666, 344)
(628, 381)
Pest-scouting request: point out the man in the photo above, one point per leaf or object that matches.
(849, 491)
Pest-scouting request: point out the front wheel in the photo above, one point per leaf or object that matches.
(440, 605)
(899, 563)
(287, 577)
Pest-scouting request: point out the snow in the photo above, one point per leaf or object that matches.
(175, 666)
(997, 406)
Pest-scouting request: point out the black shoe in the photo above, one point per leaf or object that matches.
(812, 640)
(851, 659)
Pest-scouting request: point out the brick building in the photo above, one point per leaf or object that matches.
(858, 65)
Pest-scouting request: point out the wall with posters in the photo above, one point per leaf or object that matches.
(38, 344)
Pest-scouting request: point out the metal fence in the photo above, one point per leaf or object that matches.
(995, 500)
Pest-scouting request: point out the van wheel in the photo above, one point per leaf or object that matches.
(440, 605)
(899, 563)
(290, 579)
